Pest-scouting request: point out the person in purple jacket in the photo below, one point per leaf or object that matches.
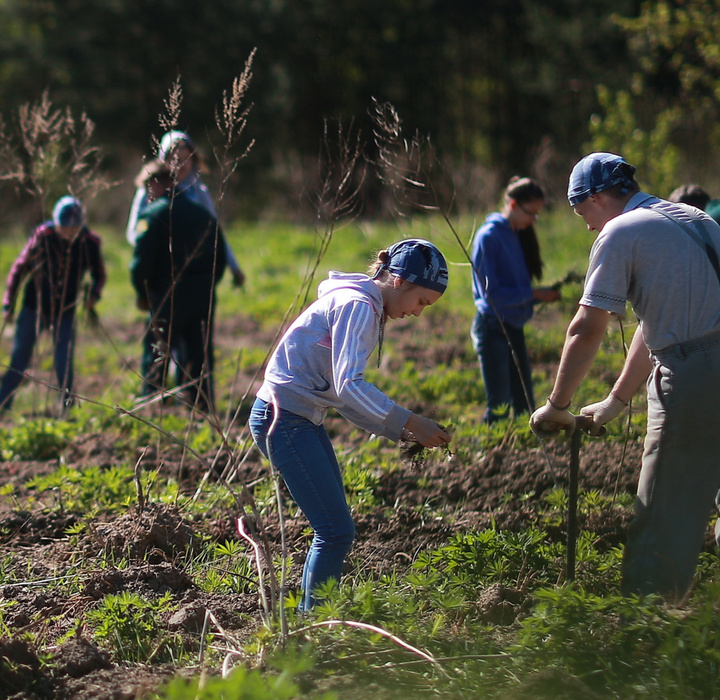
(505, 256)
(55, 260)
(319, 364)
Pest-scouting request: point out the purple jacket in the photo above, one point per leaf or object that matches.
(55, 268)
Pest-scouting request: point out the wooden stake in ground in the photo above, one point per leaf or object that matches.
(582, 424)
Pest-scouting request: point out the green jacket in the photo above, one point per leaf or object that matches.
(180, 247)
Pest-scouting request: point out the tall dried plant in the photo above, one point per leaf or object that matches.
(231, 121)
(46, 152)
(170, 118)
(405, 166)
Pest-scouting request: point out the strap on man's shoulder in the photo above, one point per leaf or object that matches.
(692, 225)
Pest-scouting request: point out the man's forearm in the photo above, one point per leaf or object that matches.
(636, 369)
(582, 341)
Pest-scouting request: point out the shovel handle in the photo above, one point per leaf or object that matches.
(584, 423)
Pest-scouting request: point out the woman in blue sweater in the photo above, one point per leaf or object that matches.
(505, 255)
(319, 364)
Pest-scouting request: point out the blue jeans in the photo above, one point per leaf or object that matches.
(506, 381)
(302, 453)
(27, 327)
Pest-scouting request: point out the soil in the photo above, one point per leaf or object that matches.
(420, 507)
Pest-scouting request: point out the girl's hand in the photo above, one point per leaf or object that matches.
(427, 432)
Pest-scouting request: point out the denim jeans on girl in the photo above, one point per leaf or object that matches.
(503, 377)
(301, 451)
(26, 331)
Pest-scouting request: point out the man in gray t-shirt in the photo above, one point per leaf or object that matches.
(661, 258)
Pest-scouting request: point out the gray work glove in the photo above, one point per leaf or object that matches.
(548, 421)
(603, 412)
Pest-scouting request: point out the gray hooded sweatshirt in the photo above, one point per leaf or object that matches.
(320, 361)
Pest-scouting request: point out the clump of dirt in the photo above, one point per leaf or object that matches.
(156, 533)
(500, 605)
(416, 455)
(28, 604)
(24, 528)
(21, 670)
(78, 657)
(391, 540)
(145, 579)
(91, 450)
(116, 683)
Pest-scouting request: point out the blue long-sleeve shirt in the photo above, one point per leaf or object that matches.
(501, 281)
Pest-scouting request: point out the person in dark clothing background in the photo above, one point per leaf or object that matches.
(179, 258)
(55, 260)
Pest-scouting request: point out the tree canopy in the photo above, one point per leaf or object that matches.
(509, 85)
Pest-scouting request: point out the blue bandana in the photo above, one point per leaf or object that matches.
(68, 212)
(418, 261)
(597, 172)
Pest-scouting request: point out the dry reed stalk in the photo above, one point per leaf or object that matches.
(48, 152)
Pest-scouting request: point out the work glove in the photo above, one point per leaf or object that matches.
(603, 412)
(548, 421)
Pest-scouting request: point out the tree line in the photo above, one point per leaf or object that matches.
(499, 86)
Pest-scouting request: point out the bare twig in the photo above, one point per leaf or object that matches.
(375, 630)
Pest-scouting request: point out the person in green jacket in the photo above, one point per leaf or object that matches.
(179, 258)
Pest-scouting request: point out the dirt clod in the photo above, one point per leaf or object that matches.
(78, 657)
(157, 533)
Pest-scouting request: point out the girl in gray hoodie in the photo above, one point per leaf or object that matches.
(319, 364)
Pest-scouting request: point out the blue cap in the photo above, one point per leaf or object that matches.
(418, 261)
(68, 212)
(169, 140)
(597, 172)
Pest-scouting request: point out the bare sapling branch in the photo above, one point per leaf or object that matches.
(402, 165)
(342, 176)
(170, 118)
(49, 153)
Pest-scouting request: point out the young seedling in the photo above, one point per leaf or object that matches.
(416, 454)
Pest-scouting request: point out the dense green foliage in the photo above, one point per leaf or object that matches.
(481, 69)
(499, 87)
